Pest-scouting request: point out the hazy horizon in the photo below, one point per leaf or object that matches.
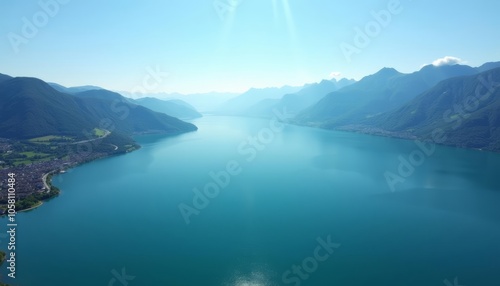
(234, 45)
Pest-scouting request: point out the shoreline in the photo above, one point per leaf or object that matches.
(48, 183)
(47, 177)
(40, 203)
(395, 135)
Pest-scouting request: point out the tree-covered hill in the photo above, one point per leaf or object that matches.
(30, 108)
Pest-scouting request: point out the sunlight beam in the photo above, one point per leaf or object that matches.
(289, 21)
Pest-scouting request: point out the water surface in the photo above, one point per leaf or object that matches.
(299, 186)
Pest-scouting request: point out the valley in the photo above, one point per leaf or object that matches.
(249, 143)
(414, 106)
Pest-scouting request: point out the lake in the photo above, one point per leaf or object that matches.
(252, 202)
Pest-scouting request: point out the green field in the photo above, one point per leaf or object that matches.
(27, 155)
(99, 132)
(31, 154)
(48, 138)
(22, 162)
(30, 161)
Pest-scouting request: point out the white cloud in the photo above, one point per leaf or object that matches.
(335, 74)
(447, 61)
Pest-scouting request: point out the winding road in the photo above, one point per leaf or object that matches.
(106, 133)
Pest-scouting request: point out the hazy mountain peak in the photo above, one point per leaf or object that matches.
(74, 89)
(345, 82)
(326, 81)
(379, 77)
(387, 71)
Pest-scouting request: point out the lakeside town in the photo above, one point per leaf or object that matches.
(34, 164)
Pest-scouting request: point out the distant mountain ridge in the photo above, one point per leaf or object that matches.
(238, 105)
(73, 89)
(294, 103)
(175, 107)
(202, 102)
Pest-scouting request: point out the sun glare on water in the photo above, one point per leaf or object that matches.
(255, 278)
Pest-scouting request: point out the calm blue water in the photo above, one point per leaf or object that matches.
(297, 187)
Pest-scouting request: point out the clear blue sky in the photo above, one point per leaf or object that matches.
(260, 43)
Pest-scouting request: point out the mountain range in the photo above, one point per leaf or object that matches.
(448, 98)
(466, 110)
(296, 102)
(30, 107)
(414, 105)
(240, 104)
(374, 94)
